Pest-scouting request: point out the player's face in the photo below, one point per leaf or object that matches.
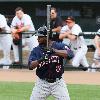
(53, 14)
(19, 14)
(70, 24)
(42, 40)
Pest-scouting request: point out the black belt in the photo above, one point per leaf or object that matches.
(27, 37)
(52, 80)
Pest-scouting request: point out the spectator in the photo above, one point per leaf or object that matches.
(77, 43)
(5, 41)
(21, 23)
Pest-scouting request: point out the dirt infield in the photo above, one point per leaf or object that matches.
(71, 77)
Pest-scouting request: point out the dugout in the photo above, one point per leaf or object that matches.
(87, 13)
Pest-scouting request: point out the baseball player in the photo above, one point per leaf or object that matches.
(49, 64)
(5, 41)
(96, 59)
(21, 23)
(77, 43)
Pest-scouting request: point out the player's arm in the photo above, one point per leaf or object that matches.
(57, 29)
(68, 35)
(32, 61)
(33, 64)
(62, 53)
(96, 40)
(97, 43)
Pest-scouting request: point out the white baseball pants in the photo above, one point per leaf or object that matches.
(5, 43)
(30, 42)
(80, 57)
(43, 89)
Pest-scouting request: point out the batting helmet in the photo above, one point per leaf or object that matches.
(42, 31)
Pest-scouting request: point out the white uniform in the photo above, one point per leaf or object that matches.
(32, 41)
(96, 58)
(5, 40)
(78, 46)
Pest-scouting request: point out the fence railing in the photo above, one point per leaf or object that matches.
(87, 35)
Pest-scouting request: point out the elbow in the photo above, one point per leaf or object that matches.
(30, 67)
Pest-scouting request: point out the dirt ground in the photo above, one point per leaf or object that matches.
(71, 77)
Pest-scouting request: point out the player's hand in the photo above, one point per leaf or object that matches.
(33, 65)
(44, 58)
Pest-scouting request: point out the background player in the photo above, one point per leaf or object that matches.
(77, 43)
(96, 59)
(49, 63)
(5, 41)
(21, 23)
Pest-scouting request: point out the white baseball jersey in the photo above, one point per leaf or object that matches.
(3, 25)
(26, 20)
(76, 30)
(78, 46)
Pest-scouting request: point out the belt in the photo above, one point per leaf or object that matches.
(27, 37)
(52, 80)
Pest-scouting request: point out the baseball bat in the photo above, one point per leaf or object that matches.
(48, 23)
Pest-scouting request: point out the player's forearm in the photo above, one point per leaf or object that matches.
(25, 28)
(33, 64)
(62, 53)
(97, 44)
(56, 29)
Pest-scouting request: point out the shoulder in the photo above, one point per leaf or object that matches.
(77, 26)
(35, 48)
(26, 16)
(59, 18)
(2, 16)
(15, 18)
(58, 45)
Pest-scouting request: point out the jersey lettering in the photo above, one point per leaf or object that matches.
(52, 59)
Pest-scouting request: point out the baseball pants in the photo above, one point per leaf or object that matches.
(43, 89)
(31, 42)
(80, 57)
(5, 43)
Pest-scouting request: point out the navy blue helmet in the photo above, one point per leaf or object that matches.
(42, 31)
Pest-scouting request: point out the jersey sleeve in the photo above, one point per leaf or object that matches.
(64, 29)
(27, 20)
(32, 57)
(76, 30)
(3, 22)
(13, 24)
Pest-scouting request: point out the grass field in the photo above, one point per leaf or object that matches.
(22, 91)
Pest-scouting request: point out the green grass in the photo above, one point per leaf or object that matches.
(22, 91)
